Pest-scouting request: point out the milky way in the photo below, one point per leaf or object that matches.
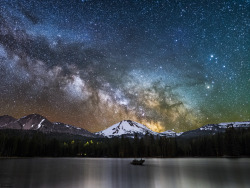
(167, 64)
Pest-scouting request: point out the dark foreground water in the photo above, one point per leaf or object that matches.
(118, 173)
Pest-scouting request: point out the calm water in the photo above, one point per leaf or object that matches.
(118, 173)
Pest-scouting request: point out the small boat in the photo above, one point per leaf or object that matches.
(137, 162)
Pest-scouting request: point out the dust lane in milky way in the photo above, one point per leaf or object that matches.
(166, 64)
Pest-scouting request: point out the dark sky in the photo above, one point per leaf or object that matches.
(170, 64)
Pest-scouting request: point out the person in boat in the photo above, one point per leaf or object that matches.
(137, 162)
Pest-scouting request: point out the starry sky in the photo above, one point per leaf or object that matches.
(169, 64)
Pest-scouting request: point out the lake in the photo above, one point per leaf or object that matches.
(118, 173)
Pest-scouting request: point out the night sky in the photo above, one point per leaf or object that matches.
(170, 64)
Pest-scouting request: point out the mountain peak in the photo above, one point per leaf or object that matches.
(126, 127)
(34, 122)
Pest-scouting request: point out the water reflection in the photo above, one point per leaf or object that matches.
(108, 173)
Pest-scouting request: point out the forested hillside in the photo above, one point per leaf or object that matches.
(36, 144)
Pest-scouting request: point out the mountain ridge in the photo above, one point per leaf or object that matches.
(42, 124)
(211, 129)
(124, 128)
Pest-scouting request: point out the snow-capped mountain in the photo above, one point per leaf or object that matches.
(40, 123)
(128, 128)
(211, 129)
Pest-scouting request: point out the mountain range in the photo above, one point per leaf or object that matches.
(127, 128)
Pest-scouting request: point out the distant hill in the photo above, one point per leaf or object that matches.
(211, 129)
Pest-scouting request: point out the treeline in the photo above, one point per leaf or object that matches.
(234, 142)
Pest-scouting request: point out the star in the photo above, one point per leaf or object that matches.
(169, 64)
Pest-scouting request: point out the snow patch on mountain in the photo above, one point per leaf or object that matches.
(170, 133)
(244, 124)
(40, 124)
